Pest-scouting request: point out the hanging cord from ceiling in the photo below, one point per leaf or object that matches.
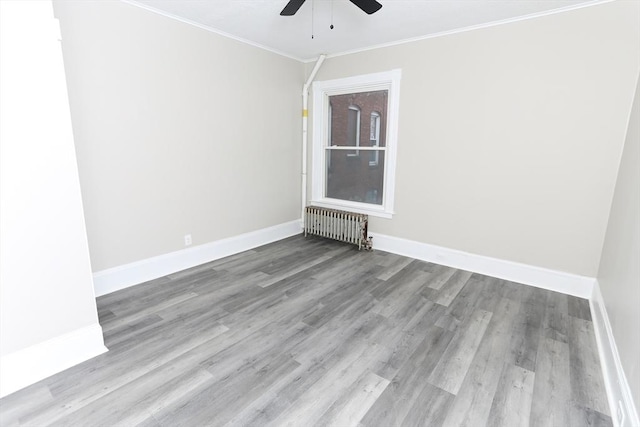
(331, 26)
(313, 9)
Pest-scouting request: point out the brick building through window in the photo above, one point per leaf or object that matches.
(358, 120)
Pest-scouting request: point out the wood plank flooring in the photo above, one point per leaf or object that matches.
(307, 332)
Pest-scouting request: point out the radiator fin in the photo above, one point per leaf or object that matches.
(338, 225)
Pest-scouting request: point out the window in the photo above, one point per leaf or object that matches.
(354, 143)
(353, 128)
(374, 138)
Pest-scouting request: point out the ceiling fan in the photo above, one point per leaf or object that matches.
(367, 6)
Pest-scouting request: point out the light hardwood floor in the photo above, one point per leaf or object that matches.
(308, 332)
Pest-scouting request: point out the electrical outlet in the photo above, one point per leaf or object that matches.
(187, 240)
(620, 413)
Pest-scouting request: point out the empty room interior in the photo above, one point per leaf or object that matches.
(358, 214)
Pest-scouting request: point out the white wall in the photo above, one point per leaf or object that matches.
(178, 131)
(510, 136)
(46, 288)
(619, 273)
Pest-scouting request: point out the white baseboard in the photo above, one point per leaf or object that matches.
(618, 391)
(584, 287)
(35, 363)
(113, 279)
(566, 283)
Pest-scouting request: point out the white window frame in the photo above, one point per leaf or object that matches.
(322, 90)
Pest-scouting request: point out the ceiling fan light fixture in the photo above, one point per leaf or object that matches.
(291, 8)
(367, 6)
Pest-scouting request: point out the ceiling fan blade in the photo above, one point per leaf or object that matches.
(368, 6)
(291, 8)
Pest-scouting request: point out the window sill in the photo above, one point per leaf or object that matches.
(344, 205)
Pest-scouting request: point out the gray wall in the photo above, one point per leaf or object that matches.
(619, 273)
(510, 136)
(178, 130)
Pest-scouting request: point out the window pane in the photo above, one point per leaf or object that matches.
(354, 178)
(354, 116)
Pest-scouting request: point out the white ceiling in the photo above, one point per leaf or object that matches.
(259, 21)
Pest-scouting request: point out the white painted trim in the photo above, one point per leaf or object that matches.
(32, 364)
(466, 29)
(558, 281)
(344, 205)
(616, 384)
(386, 80)
(210, 29)
(364, 49)
(614, 378)
(113, 279)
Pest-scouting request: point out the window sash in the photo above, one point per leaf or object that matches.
(322, 90)
(352, 148)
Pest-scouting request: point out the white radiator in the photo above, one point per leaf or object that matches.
(344, 226)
